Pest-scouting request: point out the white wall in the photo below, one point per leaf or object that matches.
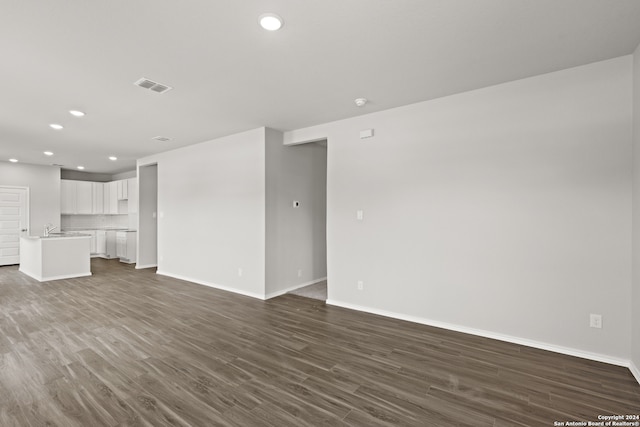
(295, 237)
(211, 207)
(635, 302)
(44, 191)
(503, 211)
(147, 216)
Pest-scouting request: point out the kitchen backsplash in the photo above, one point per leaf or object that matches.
(99, 221)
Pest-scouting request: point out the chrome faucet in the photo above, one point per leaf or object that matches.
(48, 228)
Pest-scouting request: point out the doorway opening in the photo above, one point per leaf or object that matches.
(316, 190)
(316, 291)
(147, 216)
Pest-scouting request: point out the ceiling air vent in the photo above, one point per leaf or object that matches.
(153, 86)
(161, 138)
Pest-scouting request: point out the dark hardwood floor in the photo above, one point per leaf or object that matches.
(127, 347)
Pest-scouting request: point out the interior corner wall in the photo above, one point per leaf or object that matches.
(635, 302)
(295, 237)
(44, 191)
(211, 203)
(76, 175)
(147, 216)
(503, 211)
(124, 175)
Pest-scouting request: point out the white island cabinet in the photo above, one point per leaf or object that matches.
(53, 258)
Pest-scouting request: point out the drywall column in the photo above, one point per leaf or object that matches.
(211, 204)
(635, 304)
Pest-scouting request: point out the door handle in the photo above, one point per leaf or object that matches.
(24, 229)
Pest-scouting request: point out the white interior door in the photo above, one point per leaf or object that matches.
(14, 222)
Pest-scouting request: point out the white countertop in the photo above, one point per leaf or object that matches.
(58, 236)
(73, 229)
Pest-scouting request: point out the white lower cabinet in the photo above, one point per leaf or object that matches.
(126, 246)
(92, 233)
(101, 241)
(106, 243)
(111, 244)
(121, 244)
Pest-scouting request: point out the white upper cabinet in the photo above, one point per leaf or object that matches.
(67, 196)
(133, 195)
(123, 189)
(113, 197)
(81, 197)
(84, 197)
(76, 197)
(97, 189)
(97, 198)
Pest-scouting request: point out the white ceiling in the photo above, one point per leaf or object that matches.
(229, 75)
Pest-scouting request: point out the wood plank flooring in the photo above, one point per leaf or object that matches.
(127, 347)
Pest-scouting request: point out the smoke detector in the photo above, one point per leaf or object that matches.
(360, 101)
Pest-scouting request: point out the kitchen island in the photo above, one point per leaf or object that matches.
(55, 257)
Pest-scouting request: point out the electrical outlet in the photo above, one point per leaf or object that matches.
(239, 272)
(360, 285)
(595, 321)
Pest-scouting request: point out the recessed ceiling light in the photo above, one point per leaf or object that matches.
(81, 167)
(76, 113)
(270, 21)
(48, 153)
(56, 126)
(13, 160)
(113, 158)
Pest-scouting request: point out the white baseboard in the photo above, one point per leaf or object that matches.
(140, 267)
(493, 335)
(212, 285)
(40, 278)
(635, 371)
(293, 288)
